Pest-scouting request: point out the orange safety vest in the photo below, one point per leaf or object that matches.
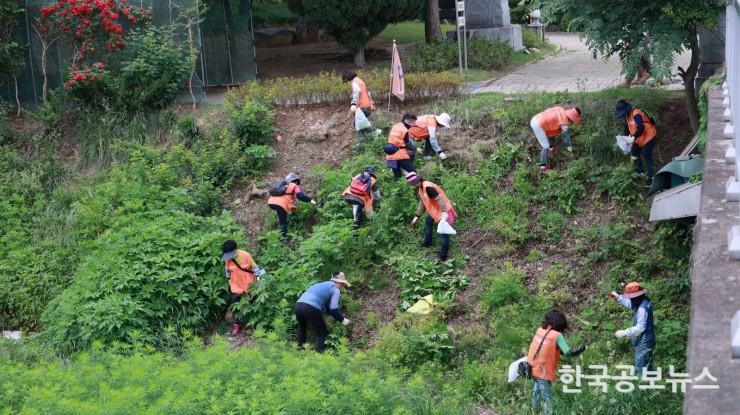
(365, 102)
(396, 137)
(648, 133)
(240, 280)
(551, 119)
(545, 365)
(420, 130)
(432, 205)
(367, 198)
(285, 201)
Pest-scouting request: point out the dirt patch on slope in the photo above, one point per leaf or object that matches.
(674, 129)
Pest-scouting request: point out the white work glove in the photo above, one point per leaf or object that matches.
(414, 220)
(444, 217)
(569, 148)
(442, 155)
(313, 202)
(613, 295)
(345, 322)
(352, 109)
(620, 333)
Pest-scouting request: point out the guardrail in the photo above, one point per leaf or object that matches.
(731, 104)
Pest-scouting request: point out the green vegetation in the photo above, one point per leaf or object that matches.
(272, 12)
(131, 253)
(409, 32)
(441, 56)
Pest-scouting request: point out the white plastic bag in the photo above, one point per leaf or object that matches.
(361, 121)
(624, 142)
(444, 228)
(513, 369)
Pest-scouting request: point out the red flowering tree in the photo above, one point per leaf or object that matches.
(95, 31)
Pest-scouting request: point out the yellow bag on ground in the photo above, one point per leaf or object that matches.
(423, 306)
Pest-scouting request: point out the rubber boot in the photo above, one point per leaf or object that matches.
(235, 329)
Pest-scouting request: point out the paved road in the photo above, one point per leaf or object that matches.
(572, 68)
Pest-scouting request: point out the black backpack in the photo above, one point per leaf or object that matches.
(279, 188)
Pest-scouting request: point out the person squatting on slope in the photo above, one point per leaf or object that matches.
(547, 345)
(550, 124)
(640, 125)
(241, 271)
(362, 194)
(434, 201)
(282, 199)
(314, 303)
(642, 333)
(425, 129)
(399, 150)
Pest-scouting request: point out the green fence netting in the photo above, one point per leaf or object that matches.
(224, 37)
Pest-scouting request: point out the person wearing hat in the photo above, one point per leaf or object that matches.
(285, 203)
(241, 272)
(314, 303)
(399, 150)
(544, 353)
(434, 201)
(550, 124)
(362, 194)
(642, 333)
(640, 125)
(425, 129)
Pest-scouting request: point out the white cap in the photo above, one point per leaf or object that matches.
(444, 119)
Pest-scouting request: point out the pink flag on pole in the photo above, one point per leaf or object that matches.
(398, 86)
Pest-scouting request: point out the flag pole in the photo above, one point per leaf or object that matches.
(390, 85)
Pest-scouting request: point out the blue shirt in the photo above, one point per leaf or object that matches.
(323, 296)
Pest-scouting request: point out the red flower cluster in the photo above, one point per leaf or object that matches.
(81, 77)
(92, 23)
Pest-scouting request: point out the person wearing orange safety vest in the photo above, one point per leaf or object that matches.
(360, 99)
(547, 345)
(640, 125)
(283, 202)
(362, 194)
(400, 150)
(550, 124)
(241, 271)
(425, 129)
(434, 201)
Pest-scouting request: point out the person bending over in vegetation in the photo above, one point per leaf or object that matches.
(551, 123)
(399, 150)
(544, 354)
(282, 199)
(314, 303)
(641, 333)
(434, 201)
(360, 98)
(241, 271)
(640, 125)
(362, 194)
(425, 129)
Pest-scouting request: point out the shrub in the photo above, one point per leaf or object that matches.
(251, 123)
(146, 273)
(531, 39)
(552, 225)
(488, 54)
(418, 277)
(259, 159)
(187, 131)
(412, 340)
(431, 57)
(504, 287)
(154, 72)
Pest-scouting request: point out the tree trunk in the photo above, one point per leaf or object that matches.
(360, 58)
(689, 76)
(45, 87)
(432, 30)
(17, 97)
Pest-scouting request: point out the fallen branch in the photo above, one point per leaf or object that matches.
(478, 241)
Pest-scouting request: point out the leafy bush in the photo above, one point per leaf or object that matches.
(155, 70)
(187, 131)
(431, 57)
(504, 287)
(145, 273)
(488, 54)
(259, 159)
(418, 277)
(251, 123)
(552, 225)
(412, 340)
(531, 39)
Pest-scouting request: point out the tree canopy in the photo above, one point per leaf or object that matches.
(354, 23)
(636, 29)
